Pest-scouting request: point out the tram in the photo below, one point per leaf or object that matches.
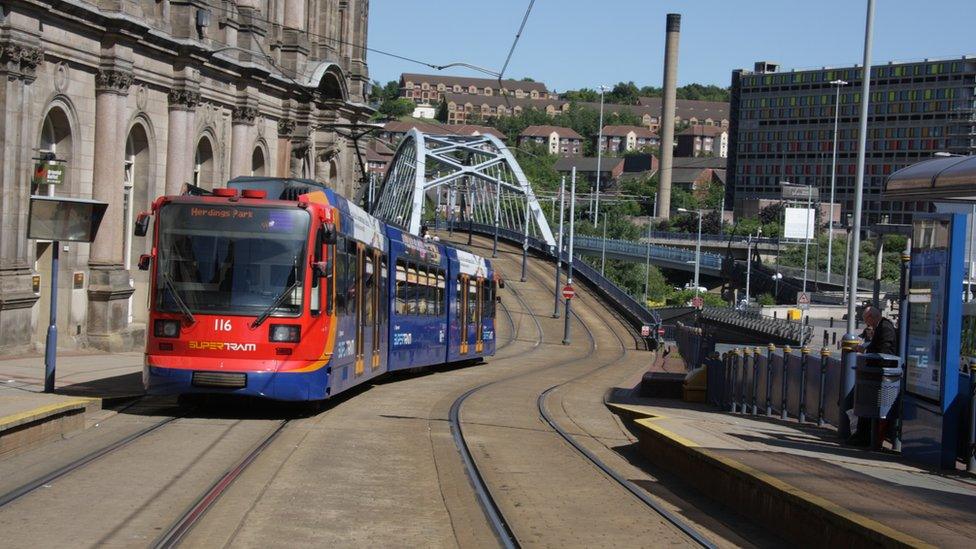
(283, 289)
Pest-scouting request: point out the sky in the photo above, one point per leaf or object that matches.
(570, 44)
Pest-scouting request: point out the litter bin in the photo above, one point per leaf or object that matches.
(877, 381)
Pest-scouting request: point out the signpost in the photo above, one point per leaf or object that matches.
(803, 300)
(60, 220)
(568, 292)
(697, 302)
(645, 331)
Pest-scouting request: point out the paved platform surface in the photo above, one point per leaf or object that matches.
(876, 491)
(83, 382)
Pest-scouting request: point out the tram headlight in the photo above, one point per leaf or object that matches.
(285, 333)
(166, 328)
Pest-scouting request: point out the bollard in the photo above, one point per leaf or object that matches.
(769, 379)
(826, 337)
(831, 322)
(804, 358)
(971, 465)
(774, 315)
(806, 320)
(824, 359)
(755, 381)
(845, 398)
(743, 397)
(833, 338)
(786, 354)
(735, 378)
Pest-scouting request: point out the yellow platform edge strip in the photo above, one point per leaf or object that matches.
(13, 420)
(648, 422)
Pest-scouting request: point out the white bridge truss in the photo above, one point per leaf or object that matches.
(458, 178)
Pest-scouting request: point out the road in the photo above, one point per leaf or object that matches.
(380, 466)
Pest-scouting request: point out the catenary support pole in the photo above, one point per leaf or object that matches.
(849, 345)
(833, 177)
(569, 269)
(51, 345)
(559, 246)
(498, 212)
(603, 251)
(525, 240)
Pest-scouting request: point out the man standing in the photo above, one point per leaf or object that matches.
(884, 340)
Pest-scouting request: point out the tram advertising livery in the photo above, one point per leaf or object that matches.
(282, 289)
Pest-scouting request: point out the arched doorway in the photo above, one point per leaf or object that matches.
(257, 162)
(55, 138)
(203, 168)
(138, 158)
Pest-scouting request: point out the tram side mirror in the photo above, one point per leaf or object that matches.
(144, 261)
(142, 224)
(329, 233)
(322, 269)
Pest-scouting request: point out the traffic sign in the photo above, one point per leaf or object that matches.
(645, 331)
(568, 292)
(697, 302)
(803, 300)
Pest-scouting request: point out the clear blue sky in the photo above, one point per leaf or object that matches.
(570, 44)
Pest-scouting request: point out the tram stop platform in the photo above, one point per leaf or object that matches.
(797, 480)
(85, 383)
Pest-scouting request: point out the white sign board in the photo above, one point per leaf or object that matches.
(800, 223)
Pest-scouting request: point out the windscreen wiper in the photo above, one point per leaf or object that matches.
(277, 302)
(179, 300)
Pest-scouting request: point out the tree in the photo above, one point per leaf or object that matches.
(397, 108)
(772, 213)
(441, 115)
(625, 93)
(388, 92)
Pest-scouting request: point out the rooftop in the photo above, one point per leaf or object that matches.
(507, 100)
(639, 131)
(587, 163)
(544, 131)
(706, 131)
(468, 81)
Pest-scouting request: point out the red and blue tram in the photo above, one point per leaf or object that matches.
(283, 289)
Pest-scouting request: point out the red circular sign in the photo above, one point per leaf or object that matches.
(568, 292)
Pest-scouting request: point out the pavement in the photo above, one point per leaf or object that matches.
(84, 383)
(797, 478)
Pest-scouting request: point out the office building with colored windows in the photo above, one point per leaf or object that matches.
(782, 128)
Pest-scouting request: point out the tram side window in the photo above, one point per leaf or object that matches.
(486, 298)
(352, 275)
(440, 293)
(472, 300)
(384, 280)
(342, 275)
(315, 303)
(369, 286)
(401, 288)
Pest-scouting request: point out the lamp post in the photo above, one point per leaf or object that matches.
(647, 261)
(559, 246)
(697, 245)
(595, 215)
(833, 177)
(850, 342)
(567, 310)
(749, 262)
(603, 252)
(807, 235)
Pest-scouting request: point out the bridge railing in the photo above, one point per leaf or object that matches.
(656, 252)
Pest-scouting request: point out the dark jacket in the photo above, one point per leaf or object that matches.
(885, 339)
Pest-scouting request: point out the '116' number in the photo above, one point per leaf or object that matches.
(221, 325)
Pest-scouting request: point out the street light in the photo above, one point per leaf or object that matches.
(697, 244)
(833, 176)
(806, 235)
(595, 214)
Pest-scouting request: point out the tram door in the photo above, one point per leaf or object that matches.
(375, 289)
(479, 345)
(462, 297)
(360, 316)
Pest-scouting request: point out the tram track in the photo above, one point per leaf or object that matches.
(499, 523)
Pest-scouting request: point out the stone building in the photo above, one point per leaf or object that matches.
(138, 97)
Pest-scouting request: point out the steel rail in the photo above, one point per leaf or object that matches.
(178, 530)
(29, 487)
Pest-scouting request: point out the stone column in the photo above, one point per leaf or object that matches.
(283, 157)
(109, 288)
(182, 102)
(19, 58)
(295, 14)
(242, 142)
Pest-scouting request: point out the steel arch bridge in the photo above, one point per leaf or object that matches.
(458, 177)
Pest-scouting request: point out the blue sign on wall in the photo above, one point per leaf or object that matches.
(931, 407)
